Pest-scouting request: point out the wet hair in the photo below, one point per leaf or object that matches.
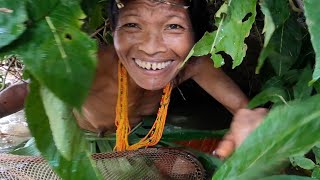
(198, 13)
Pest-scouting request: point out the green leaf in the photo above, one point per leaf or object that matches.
(286, 177)
(57, 53)
(316, 152)
(78, 164)
(301, 89)
(272, 94)
(316, 85)
(13, 14)
(173, 133)
(316, 173)
(287, 130)
(275, 14)
(234, 21)
(302, 162)
(312, 12)
(94, 12)
(283, 48)
(29, 149)
(65, 132)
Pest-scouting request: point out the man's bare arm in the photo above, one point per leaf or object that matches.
(221, 87)
(12, 99)
(218, 84)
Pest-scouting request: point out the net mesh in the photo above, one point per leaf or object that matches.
(150, 163)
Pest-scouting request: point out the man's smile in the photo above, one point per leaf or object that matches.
(148, 65)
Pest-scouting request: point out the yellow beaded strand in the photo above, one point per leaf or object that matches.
(122, 121)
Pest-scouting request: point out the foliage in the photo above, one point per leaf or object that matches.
(52, 48)
(298, 127)
(313, 19)
(12, 23)
(68, 157)
(60, 60)
(233, 20)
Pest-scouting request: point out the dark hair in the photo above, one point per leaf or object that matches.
(198, 13)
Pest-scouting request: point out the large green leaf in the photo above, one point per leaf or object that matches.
(273, 94)
(75, 163)
(234, 21)
(312, 12)
(286, 177)
(283, 48)
(275, 14)
(13, 14)
(56, 52)
(65, 131)
(288, 130)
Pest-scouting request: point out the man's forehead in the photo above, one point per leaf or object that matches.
(175, 3)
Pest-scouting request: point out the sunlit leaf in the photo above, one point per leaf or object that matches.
(65, 131)
(13, 14)
(78, 164)
(312, 12)
(288, 130)
(302, 162)
(29, 149)
(234, 21)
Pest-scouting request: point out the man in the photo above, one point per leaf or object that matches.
(151, 40)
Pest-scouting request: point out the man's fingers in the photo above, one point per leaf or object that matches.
(226, 147)
(261, 111)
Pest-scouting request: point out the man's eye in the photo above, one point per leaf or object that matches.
(131, 25)
(174, 26)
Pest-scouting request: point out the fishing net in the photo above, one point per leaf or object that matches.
(150, 163)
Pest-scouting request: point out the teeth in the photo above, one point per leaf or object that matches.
(152, 65)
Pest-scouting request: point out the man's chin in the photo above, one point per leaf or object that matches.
(153, 86)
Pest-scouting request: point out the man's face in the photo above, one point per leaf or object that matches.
(152, 40)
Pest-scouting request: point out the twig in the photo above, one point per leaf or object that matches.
(181, 94)
(5, 75)
(97, 31)
(258, 33)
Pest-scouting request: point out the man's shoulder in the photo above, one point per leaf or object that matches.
(105, 52)
(194, 66)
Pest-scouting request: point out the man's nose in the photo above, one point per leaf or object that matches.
(153, 43)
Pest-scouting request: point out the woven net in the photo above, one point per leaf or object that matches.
(151, 163)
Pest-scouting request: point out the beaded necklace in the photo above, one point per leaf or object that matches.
(122, 121)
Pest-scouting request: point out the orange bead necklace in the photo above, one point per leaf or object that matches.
(122, 121)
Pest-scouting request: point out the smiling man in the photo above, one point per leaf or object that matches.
(151, 41)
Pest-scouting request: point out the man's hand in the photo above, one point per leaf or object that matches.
(244, 122)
